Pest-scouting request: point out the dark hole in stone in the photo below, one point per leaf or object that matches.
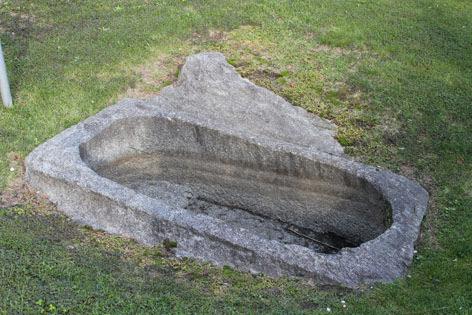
(276, 195)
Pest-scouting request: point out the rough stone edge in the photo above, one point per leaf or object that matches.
(324, 128)
(382, 259)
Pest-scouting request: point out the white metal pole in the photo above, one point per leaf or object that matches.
(4, 85)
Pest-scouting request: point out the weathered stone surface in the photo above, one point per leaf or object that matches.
(237, 176)
(210, 92)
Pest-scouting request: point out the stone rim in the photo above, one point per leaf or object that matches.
(399, 238)
(382, 259)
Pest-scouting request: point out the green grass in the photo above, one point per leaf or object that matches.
(395, 76)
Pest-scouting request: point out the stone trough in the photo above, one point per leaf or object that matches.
(236, 176)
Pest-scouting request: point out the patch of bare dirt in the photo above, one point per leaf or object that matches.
(17, 192)
(217, 35)
(163, 69)
(154, 75)
(21, 27)
(339, 51)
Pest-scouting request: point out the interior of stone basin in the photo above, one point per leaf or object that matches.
(276, 195)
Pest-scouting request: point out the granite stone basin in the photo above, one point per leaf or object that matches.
(236, 176)
(202, 170)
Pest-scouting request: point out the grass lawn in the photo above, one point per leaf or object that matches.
(395, 76)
